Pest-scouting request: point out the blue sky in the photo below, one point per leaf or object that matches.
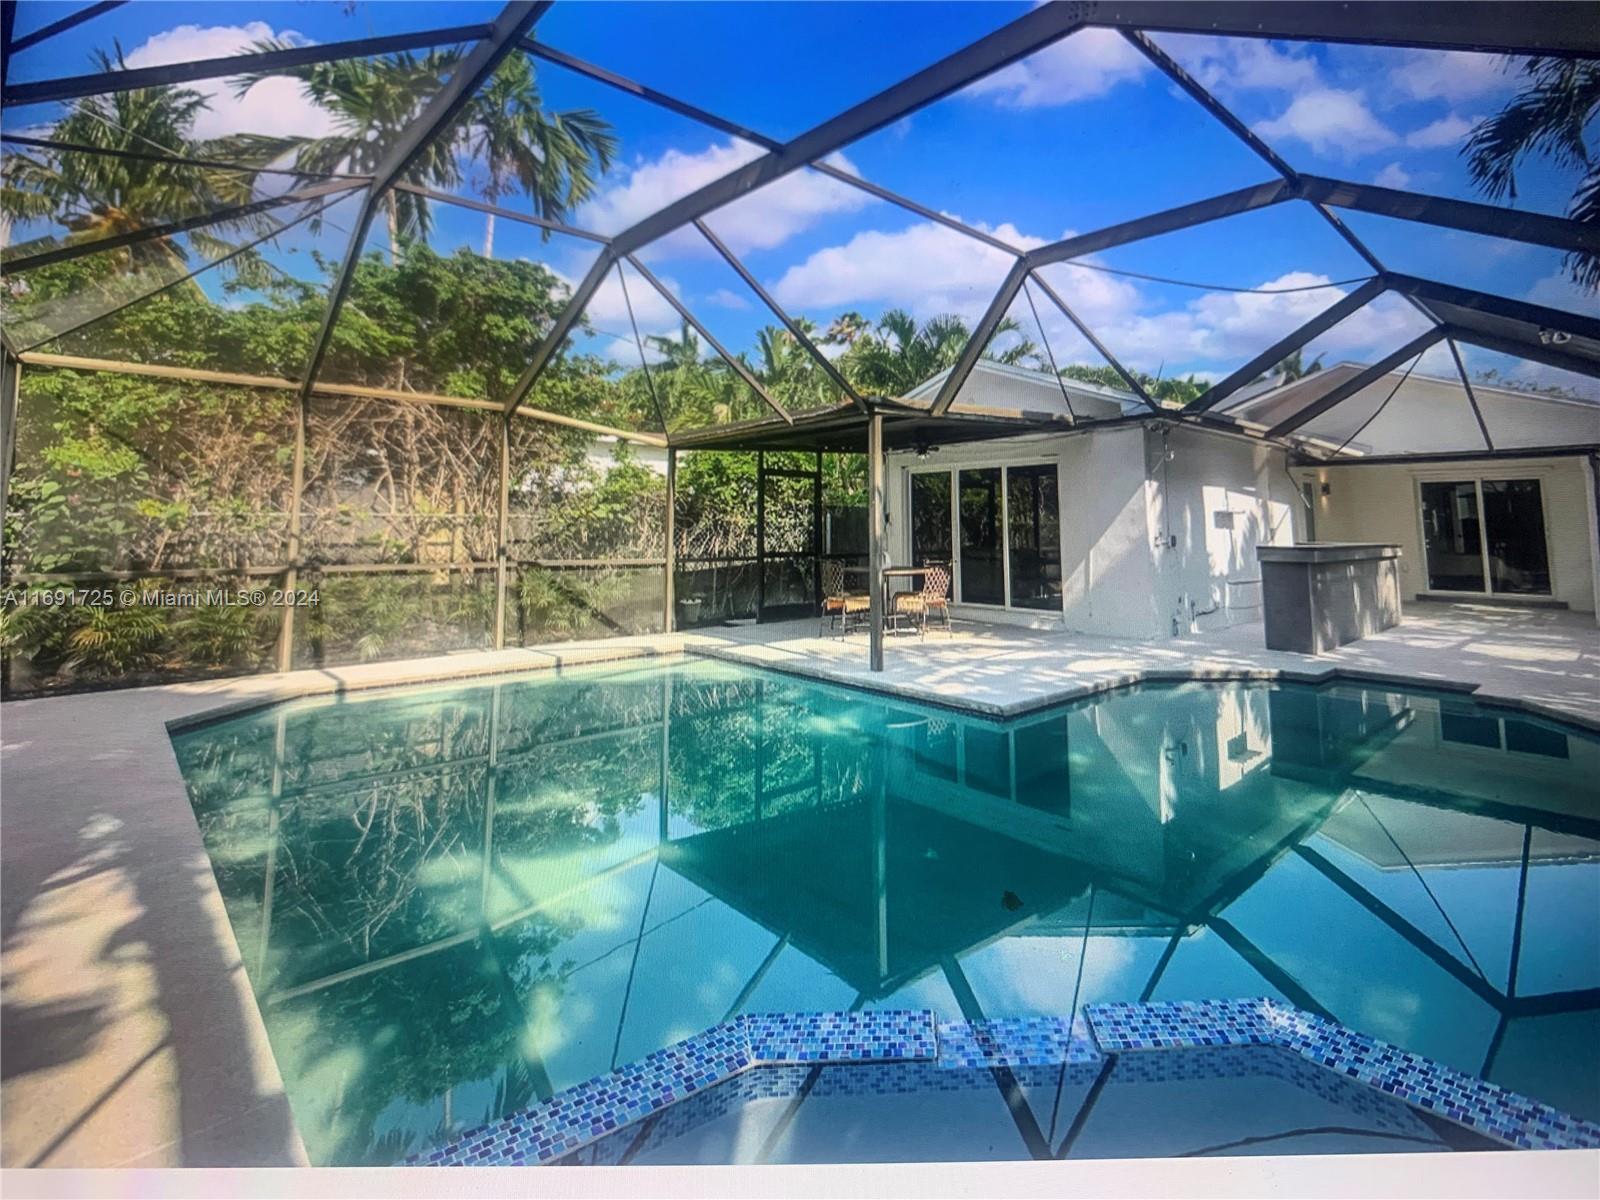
(1078, 136)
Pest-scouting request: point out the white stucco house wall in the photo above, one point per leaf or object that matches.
(1381, 500)
(1158, 520)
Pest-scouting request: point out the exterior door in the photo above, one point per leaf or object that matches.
(788, 538)
(1485, 536)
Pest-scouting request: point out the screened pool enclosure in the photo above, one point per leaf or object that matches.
(530, 330)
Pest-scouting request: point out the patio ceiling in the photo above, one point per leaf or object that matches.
(1553, 337)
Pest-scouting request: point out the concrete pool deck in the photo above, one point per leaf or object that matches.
(130, 1035)
(1542, 660)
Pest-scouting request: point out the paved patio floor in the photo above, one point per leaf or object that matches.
(1541, 659)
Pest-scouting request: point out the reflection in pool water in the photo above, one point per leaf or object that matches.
(453, 901)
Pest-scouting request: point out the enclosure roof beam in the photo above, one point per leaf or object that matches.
(1356, 383)
(70, 88)
(69, 362)
(1022, 37)
(1547, 27)
(1491, 220)
(67, 253)
(94, 318)
(734, 129)
(1431, 291)
(514, 21)
(1538, 352)
(1472, 398)
(1274, 354)
(735, 363)
(1170, 220)
(495, 210)
(70, 21)
(644, 92)
(8, 22)
(1088, 335)
(1243, 132)
(799, 335)
(985, 329)
(1197, 92)
(176, 160)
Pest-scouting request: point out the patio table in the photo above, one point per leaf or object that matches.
(889, 576)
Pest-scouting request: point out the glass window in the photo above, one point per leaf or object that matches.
(1513, 511)
(982, 568)
(930, 518)
(1450, 531)
(1033, 531)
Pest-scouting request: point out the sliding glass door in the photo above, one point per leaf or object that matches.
(1000, 527)
(1519, 559)
(1033, 533)
(930, 518)
(981, 567)
(1485, 535)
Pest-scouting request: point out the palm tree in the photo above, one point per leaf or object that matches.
(1547, 118)
(372, 101)
(97, 196)
(846, 328)
(1294, 367)
(897, 355)
(555, 158)
(679, 352)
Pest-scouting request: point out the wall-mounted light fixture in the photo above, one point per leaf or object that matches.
(1327, 488)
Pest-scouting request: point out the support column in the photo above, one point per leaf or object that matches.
(877, 541)
(10, 382)
(670, 588)
(291, 577)
(503, 542)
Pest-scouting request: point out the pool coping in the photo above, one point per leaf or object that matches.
(655, 647)
(1137, 676)
(579, 1116)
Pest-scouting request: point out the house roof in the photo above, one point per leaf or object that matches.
(1404, 412)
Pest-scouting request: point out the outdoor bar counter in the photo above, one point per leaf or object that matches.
(1320, 595)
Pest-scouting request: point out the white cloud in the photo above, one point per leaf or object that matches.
(1450, 75)
(925, 268)
(1557, 290)
(1231, 65)
(273, 106)
(1449, 130)
(726, 298)
(1332, 122)
(1222, 328)
(1083, 66)
(1393, 176)
(761, 220)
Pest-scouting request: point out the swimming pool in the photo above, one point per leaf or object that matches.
(453, 901)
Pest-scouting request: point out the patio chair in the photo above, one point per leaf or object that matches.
(840, 607)
(933, 598)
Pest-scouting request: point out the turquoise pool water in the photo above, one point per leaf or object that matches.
(452, 901)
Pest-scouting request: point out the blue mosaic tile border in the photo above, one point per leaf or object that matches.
(885, 1035)
(938, 1051)
(589, 1111)
(1015, 1042)
(1477, 1104)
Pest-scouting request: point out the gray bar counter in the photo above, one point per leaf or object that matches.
(1320, 595)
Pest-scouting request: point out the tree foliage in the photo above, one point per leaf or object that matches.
(1549, 117)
